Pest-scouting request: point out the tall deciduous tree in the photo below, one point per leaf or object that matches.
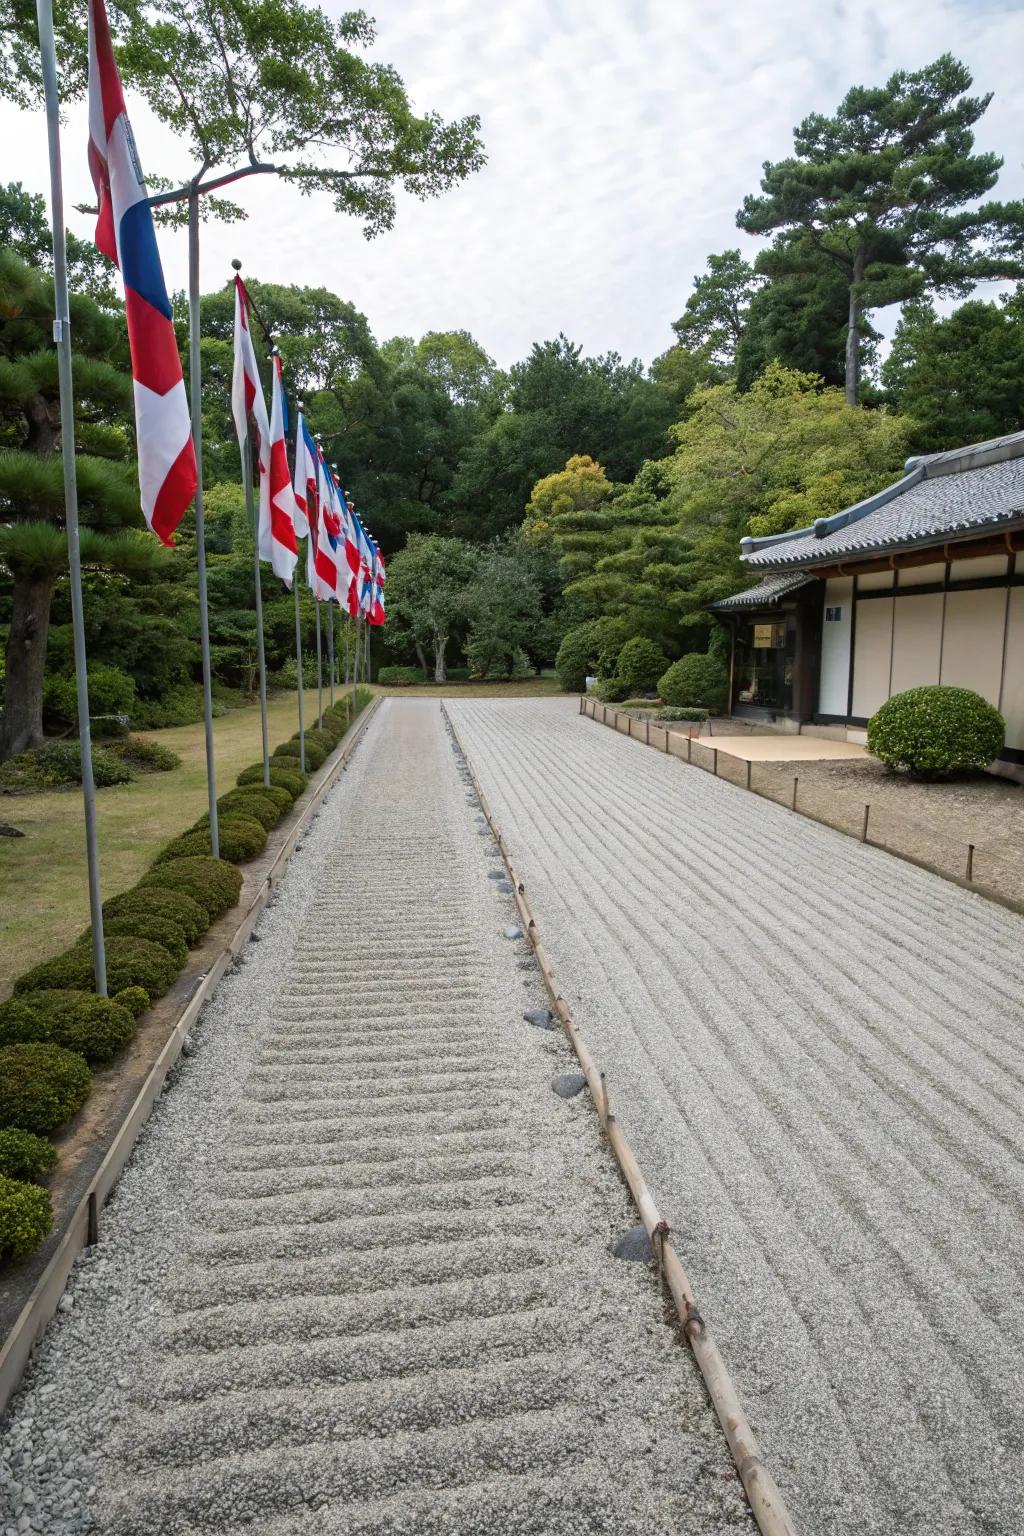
(429, 584)
(33, 546)
(881, 190)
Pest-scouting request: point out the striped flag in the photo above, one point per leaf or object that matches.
(246, 390)
(278, 543)
(305, 478)
(377, 614)
(125, 234)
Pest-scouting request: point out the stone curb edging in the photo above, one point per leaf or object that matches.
(83, 1226)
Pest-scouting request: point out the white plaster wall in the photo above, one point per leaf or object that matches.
(872, 655)
(835, 648)
(922, 575)
(916, 641)
(1012, 703)
(978, 570)
(972, 643)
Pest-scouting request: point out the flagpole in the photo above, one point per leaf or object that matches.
(258, 590)
(355, 664)
(196, 391)
(62, 336)
(298, 663)
(319, 671)
(330, 649)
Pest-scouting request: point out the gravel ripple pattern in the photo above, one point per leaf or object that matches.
(817, 1054)
(357, 1277)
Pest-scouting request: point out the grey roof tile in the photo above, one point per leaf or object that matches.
(767, 592)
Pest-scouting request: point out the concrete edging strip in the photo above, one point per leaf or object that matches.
(763, 1494)
(82, 1228)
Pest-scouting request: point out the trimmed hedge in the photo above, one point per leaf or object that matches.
(315, 756)
(145, 756)
(937, 731)
(178, 906)
(26, 1216)
(135, 999)
(96, 1027)
(261, 804)
(131, 962)
(280, 778)
(399, 677)
(673, 712)
(213, 883)
(60, 762)
(238, 838)
(41, 1086)
(140, 925)
(641, 662)
(23, 1155)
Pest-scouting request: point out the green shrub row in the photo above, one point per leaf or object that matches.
(55, 1026)
(60, 762)
(399, 677)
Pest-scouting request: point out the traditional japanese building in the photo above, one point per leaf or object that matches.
(921, 583)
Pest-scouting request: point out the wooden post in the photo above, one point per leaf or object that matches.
(689, 746)
(864, 828)
(581, 703)
(647, 722)
(970, 862)
(715, 751)
(795, 783)
(749, 766)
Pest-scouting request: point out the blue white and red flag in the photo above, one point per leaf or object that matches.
(278, 543)
(125, 234)
(304, 480)
(246, 387)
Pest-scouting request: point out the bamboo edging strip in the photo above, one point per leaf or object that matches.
(765, 1499)
(83, 1225)
(965, 882)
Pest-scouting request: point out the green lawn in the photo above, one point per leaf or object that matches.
(44, 894)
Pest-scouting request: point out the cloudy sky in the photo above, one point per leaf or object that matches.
(621, 137)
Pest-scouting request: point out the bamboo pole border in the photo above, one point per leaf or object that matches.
(1011, 904)
(763, 1495)
(83, 1226)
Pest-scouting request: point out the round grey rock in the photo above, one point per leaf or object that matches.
(568, 1084)
(634, 1245)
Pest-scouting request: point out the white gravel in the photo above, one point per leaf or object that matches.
(357, 1275)
(817, 1053)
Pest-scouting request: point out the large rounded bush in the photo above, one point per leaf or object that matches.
(111, 692)
(580, 648)
(131, 962)
(215, 884)
(41, 1086)
(96, 1027)
(253, 801)
(191, 918)
(26, 1216)
(937, 731)
(238, 838)
(23, 1155)
(640, 663)
(146, 925)
(315, 756)
(696, 680)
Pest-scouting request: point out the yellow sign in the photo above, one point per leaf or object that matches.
(764, 637)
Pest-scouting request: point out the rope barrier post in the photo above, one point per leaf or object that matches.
(970, 862)
(864, 828)
(796, 781)
(749, 766)
(715, 751)
(689, 747)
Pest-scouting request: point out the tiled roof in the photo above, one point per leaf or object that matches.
(944, 496)
(767, 592)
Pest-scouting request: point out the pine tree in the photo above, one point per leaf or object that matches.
(33, 543)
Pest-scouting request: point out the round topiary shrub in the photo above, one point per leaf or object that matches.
(214, 883)
(252, 801)
(190, 917)
(140, 925)
(24, 1155)
(315, 755)
(41, 1086)
(936, 732)
(26, 1216)
(695, 680)
(321, 739)
(293, 782)
(131, 962)
(640, 663)
(96, 1027)
(135, 999)
(238, 838)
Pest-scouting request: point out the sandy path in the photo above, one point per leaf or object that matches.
(817, 1053)
(357, 1277)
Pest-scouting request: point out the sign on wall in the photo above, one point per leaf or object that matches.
(769, 637)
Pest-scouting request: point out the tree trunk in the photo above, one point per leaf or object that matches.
(853, 333)
(421, 658)
(440, 648)
(21, 725)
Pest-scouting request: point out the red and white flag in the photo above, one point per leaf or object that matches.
(125, 234)
(246, 390)
(304, 479)
(278, 543)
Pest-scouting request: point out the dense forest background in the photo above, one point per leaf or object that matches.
(554, 512)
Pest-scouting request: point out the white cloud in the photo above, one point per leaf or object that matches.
(621, 136)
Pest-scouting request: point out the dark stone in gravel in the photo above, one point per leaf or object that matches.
(495, 874)
(506, 885)
(635, 1245)
(541, 1018)
(527, 963)
(568, 1084)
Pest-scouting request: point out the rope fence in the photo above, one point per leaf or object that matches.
(994, 870)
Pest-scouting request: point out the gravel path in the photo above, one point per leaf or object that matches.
(357, 1276)
(817, 1054)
